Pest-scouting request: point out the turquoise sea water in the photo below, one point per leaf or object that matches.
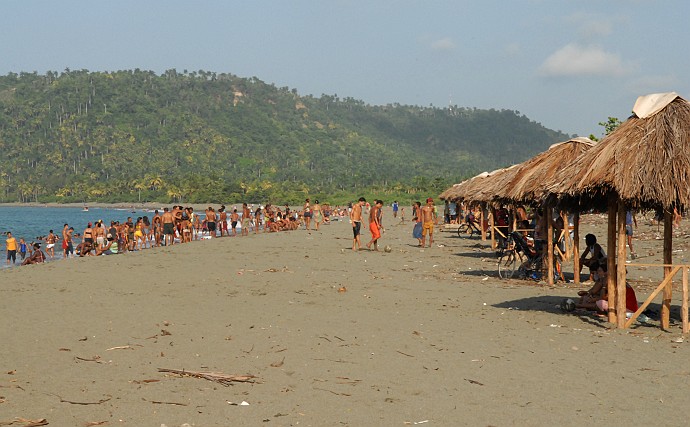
(32, 223)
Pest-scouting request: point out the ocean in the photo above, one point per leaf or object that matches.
(31, 223)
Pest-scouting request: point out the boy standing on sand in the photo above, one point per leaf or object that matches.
(356, 221)
(375, 225)
(427, 217)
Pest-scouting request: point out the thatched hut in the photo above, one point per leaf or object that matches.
(522, 183)
(645, 163)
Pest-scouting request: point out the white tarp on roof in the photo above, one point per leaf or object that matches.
(648, 105)
(581, 139)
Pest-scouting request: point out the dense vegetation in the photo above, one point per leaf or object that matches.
(205, 137)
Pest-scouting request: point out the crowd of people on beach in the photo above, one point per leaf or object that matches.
(168, 226)
(178, 224)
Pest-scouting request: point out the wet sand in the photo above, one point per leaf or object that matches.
(426, 336)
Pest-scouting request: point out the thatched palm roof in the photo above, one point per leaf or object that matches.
(529, 180)
(494, 184)
(646, 160)
(519, 183)
(461, 190)
(449, 191)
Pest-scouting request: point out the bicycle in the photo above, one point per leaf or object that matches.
(469, 229)
(519, 256)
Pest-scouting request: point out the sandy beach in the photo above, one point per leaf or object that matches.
(333, 337)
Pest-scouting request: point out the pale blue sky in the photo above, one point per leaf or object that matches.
(565, 64)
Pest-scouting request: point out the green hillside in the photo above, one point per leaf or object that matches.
(207, 137)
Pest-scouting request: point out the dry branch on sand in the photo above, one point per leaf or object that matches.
(218, 377)
(24, 422)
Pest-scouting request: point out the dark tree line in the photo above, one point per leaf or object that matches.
(214, 137)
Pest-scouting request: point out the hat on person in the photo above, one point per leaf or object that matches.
(429, 200)
(109, 236)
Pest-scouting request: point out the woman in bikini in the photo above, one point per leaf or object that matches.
(50, 244)
(307, 214)
(138, 234)
(88, 234)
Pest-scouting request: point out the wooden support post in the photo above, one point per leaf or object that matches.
(492, 226)
(566, 237)
(620, 266)
(684, 306)
(610, 256)
(483, 223)
(576, 248)
(668, 259)
(549, 244)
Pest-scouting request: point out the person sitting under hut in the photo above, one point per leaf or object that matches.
(596, 299)
(595, 251)
(589, 298)
(37, 256)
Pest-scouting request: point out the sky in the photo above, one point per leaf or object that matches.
(565, 64)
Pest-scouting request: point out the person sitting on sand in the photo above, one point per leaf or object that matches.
(84, 249)
(596, 298)
(110, 248)
(589, 298)
(595, 251)
(36, 257)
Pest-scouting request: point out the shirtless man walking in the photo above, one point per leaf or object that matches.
(234, 217)
(64, 241)
(168, 221)
(356, 221)
(427, 217)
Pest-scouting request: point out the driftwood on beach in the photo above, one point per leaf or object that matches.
(218, 377)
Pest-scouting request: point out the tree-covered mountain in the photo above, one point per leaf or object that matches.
(207, 137)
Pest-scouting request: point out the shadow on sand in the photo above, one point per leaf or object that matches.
(551, 304)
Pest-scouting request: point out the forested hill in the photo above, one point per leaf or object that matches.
(208, 137)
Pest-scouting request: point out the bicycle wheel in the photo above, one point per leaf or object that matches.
(471, 231)
(508, 263)
(464, 230)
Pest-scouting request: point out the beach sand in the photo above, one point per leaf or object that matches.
(428, 337)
